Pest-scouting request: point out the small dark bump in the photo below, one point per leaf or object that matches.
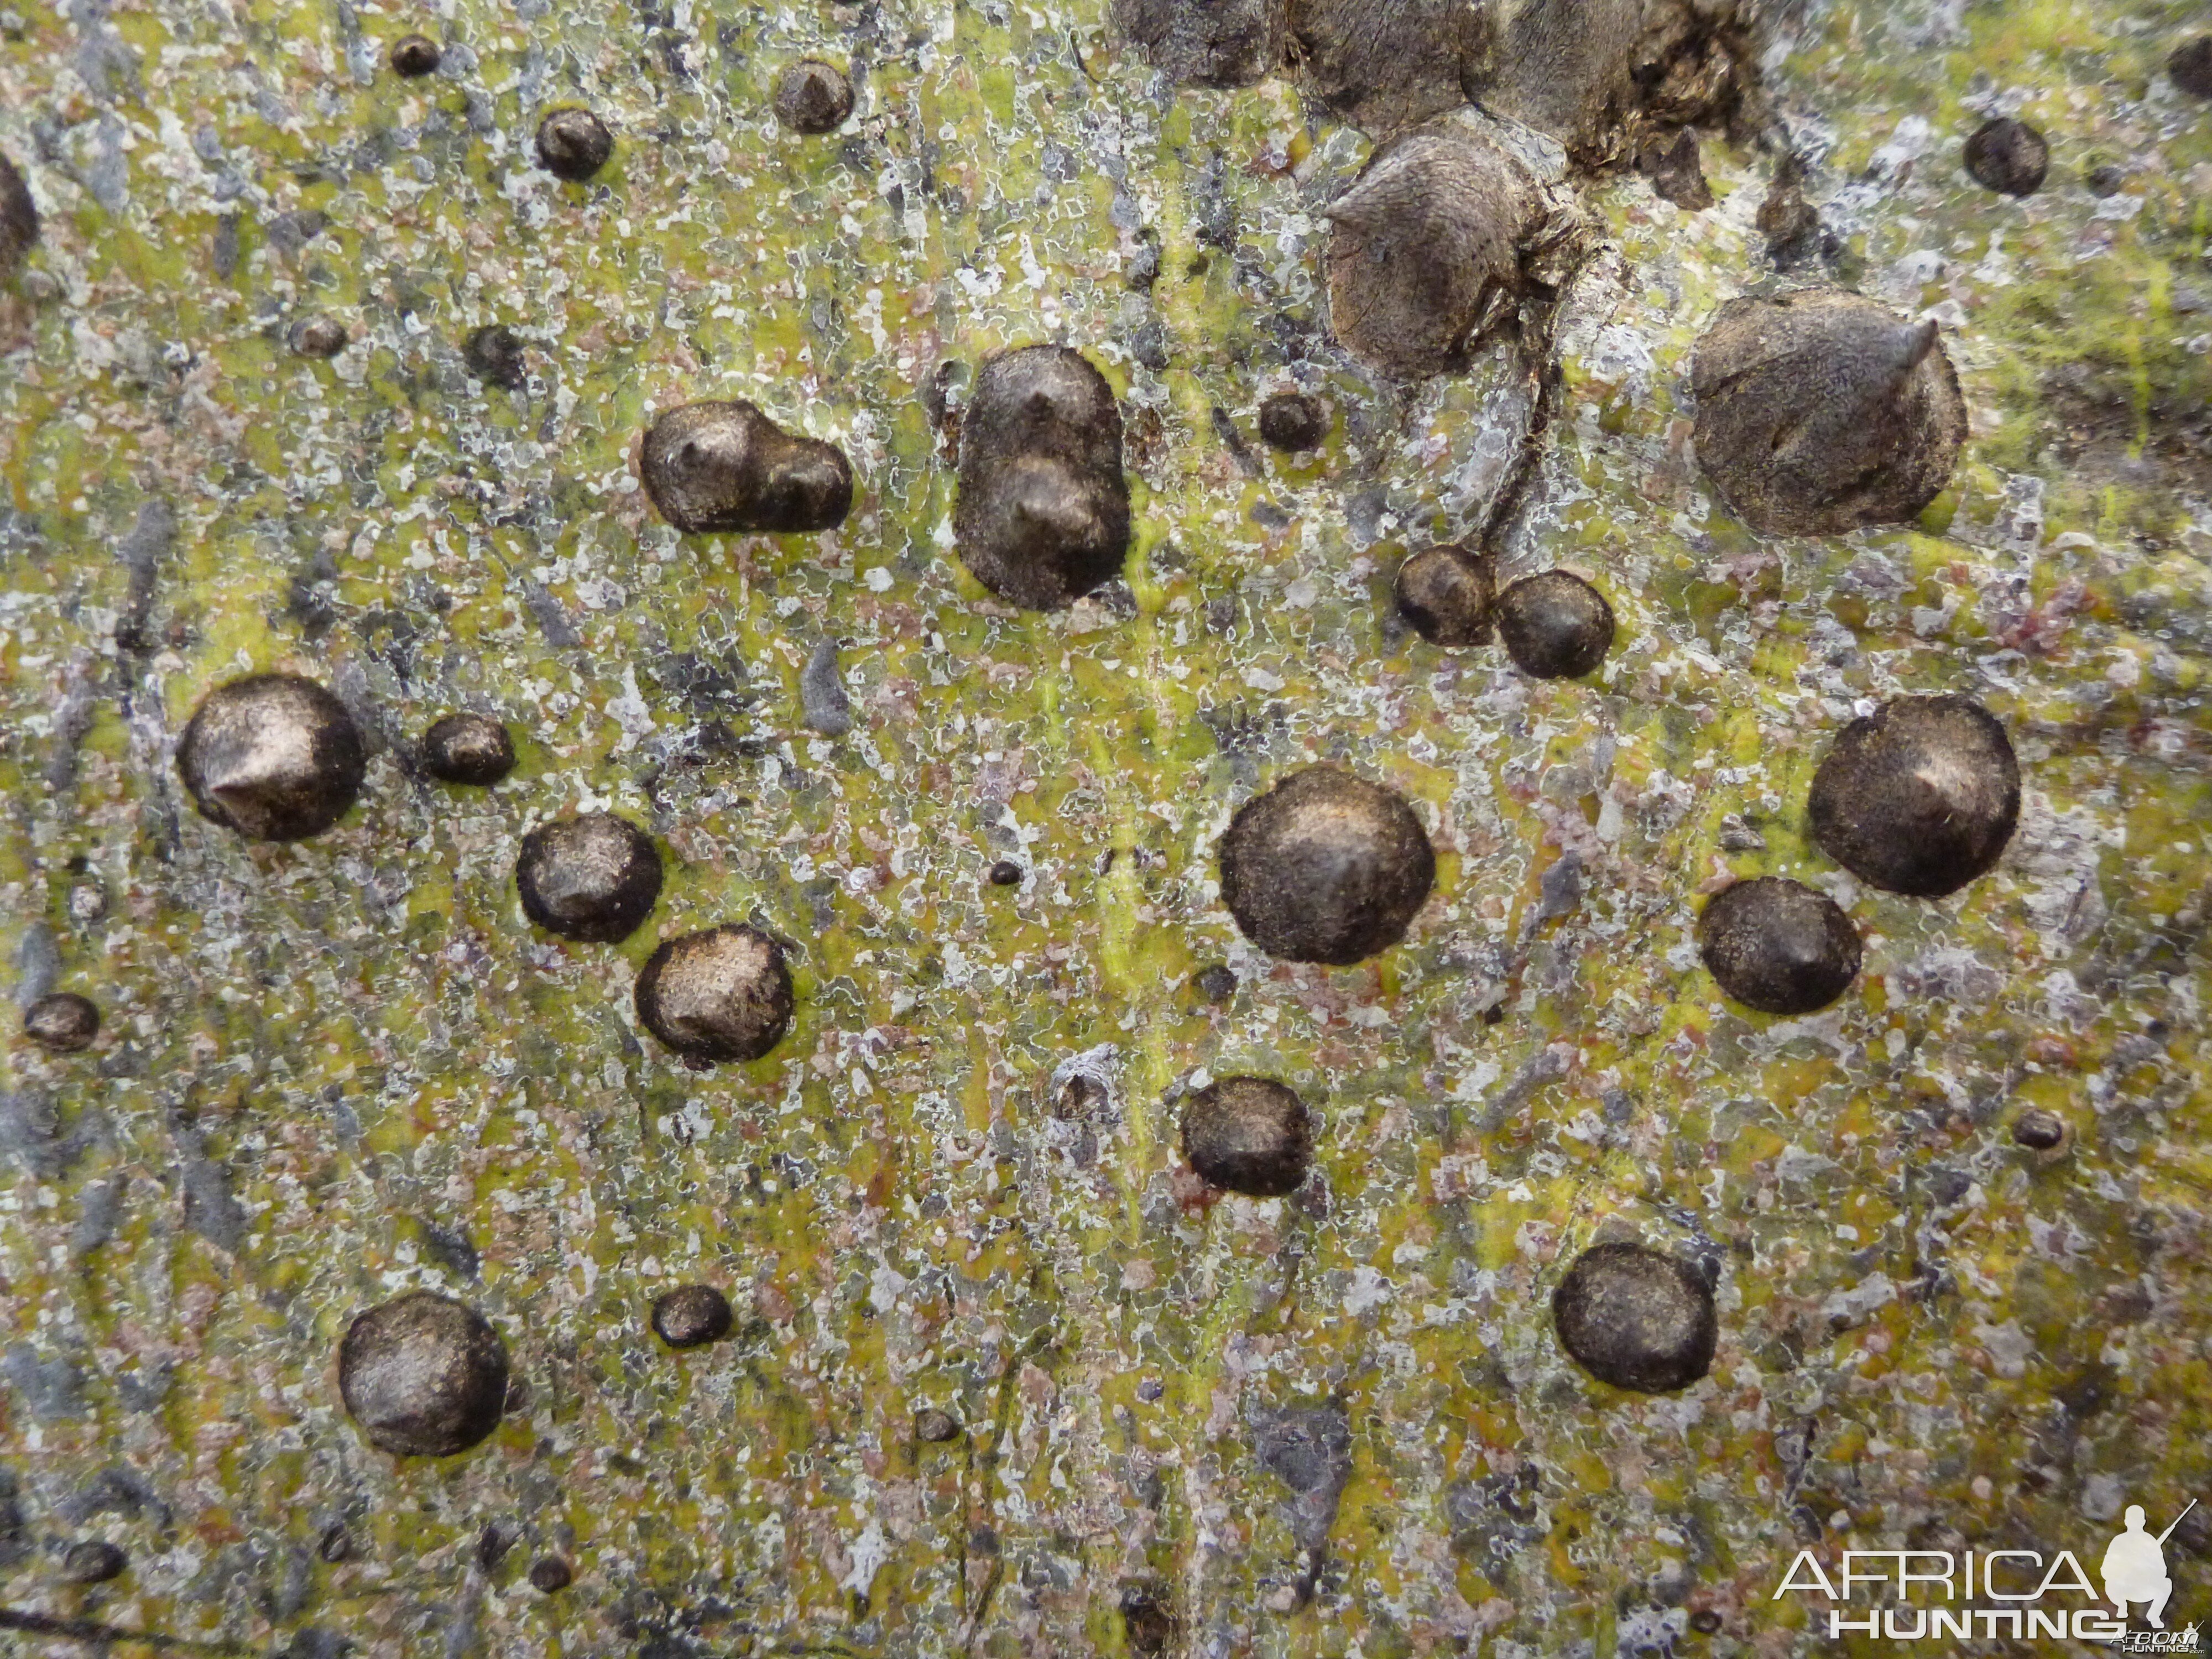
(337, 1543)
(2104, 179)
(1006, 873)
(1636, 1318)
(1947, 1187)
(424, 1376)
(416, 55)
(1325, 867)
(1294, 421)
(2190, 66)
(692, 1315)
(723, 466)
(1919, 797)
(492, 1545)
(574, 143)
(2040, 1131)
(592, 878)
(493, 355)
(19, 218)
(549, 1574)
(93, 1561)
(1778, 946)
(472, 749)
(1820, 411)
(1042, 513)
(1147, 1620)
(1704, 1621)
(1248, 1134)
(272, 756)
(1446, 594)
(2009, 157)
(1216, 983)
(1555, 625)
(62, 1022)
(1789, 223)
(1676, 171)
(722, 994)
(318, 336)
(935, 1426)
(1143, 268)
(813, 97)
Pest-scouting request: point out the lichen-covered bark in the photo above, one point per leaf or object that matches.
(1333, 1423)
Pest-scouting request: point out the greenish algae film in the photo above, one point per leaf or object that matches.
(321, 1059)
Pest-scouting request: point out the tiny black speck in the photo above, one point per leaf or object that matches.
(63, 1023)
(548, 1574)
(1216, 983)
(574, 143)
(414, 55)
(692, 1315)
(94, 1561)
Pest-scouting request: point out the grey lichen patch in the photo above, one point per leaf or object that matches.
(1309, 1449)
(364, 1029)
(822, 701)
(50, 1388)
